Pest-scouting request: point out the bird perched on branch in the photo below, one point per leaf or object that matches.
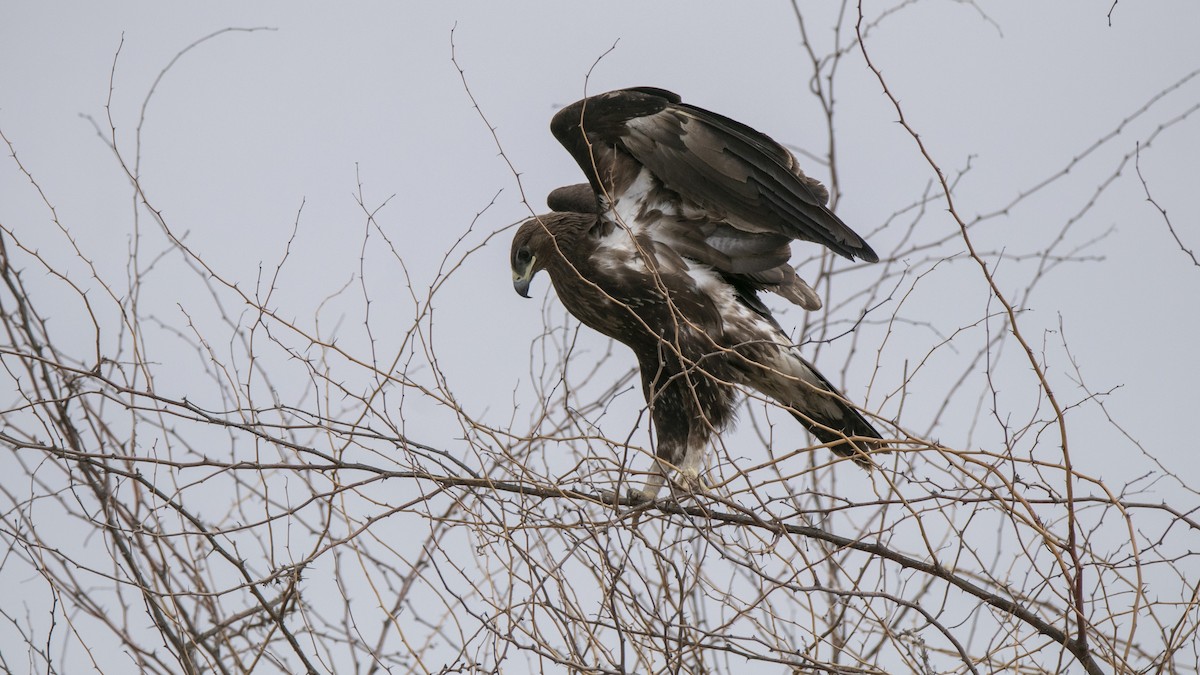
(687, 215)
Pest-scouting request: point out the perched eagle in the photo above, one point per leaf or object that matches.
(686, 216)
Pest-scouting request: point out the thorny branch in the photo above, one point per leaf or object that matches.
(292, 508)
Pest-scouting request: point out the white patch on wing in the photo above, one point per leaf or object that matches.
(711, 283)
(642, 196)
(617, 251)
(735, 314)
(621, 253)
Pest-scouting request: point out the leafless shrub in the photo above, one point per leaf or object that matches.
(230, 489)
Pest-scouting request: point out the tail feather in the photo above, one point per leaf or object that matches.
(826, 413)
(842, 439)
(816, 403)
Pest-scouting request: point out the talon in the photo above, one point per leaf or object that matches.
(638, 497)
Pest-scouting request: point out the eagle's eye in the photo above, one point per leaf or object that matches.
(523, 256)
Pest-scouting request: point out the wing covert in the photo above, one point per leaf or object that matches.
(734, 171)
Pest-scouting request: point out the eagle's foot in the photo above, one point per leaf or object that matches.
(632, 497)
(688, 484)
(692, 483)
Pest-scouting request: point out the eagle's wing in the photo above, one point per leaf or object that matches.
(728, 170)
(577, 198)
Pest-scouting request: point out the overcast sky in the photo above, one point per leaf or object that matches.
(249, 125)
(254, 132)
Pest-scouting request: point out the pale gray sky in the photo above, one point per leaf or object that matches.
(249, 126)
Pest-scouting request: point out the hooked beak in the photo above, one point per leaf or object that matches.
(521, 279)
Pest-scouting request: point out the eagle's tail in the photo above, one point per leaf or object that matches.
(821, 408)
(849, 440)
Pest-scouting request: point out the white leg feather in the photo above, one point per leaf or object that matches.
(690, 468)
(692, 465)
(654, 484)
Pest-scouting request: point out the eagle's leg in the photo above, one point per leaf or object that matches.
(654, 484)
(689, 463)
(648, 492)
(692, 464)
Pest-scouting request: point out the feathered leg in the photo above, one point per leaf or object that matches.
(689, 462)
(688, 406)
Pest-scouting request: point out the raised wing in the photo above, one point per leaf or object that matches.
(722, 167)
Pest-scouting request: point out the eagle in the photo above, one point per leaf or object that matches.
(686, 217)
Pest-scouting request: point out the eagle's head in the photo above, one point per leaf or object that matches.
(543, 240)
(522, 257)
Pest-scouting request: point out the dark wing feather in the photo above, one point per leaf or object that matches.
(713, 162)
(730, 169)
(578, 198)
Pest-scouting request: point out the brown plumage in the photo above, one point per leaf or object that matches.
(686, 216)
